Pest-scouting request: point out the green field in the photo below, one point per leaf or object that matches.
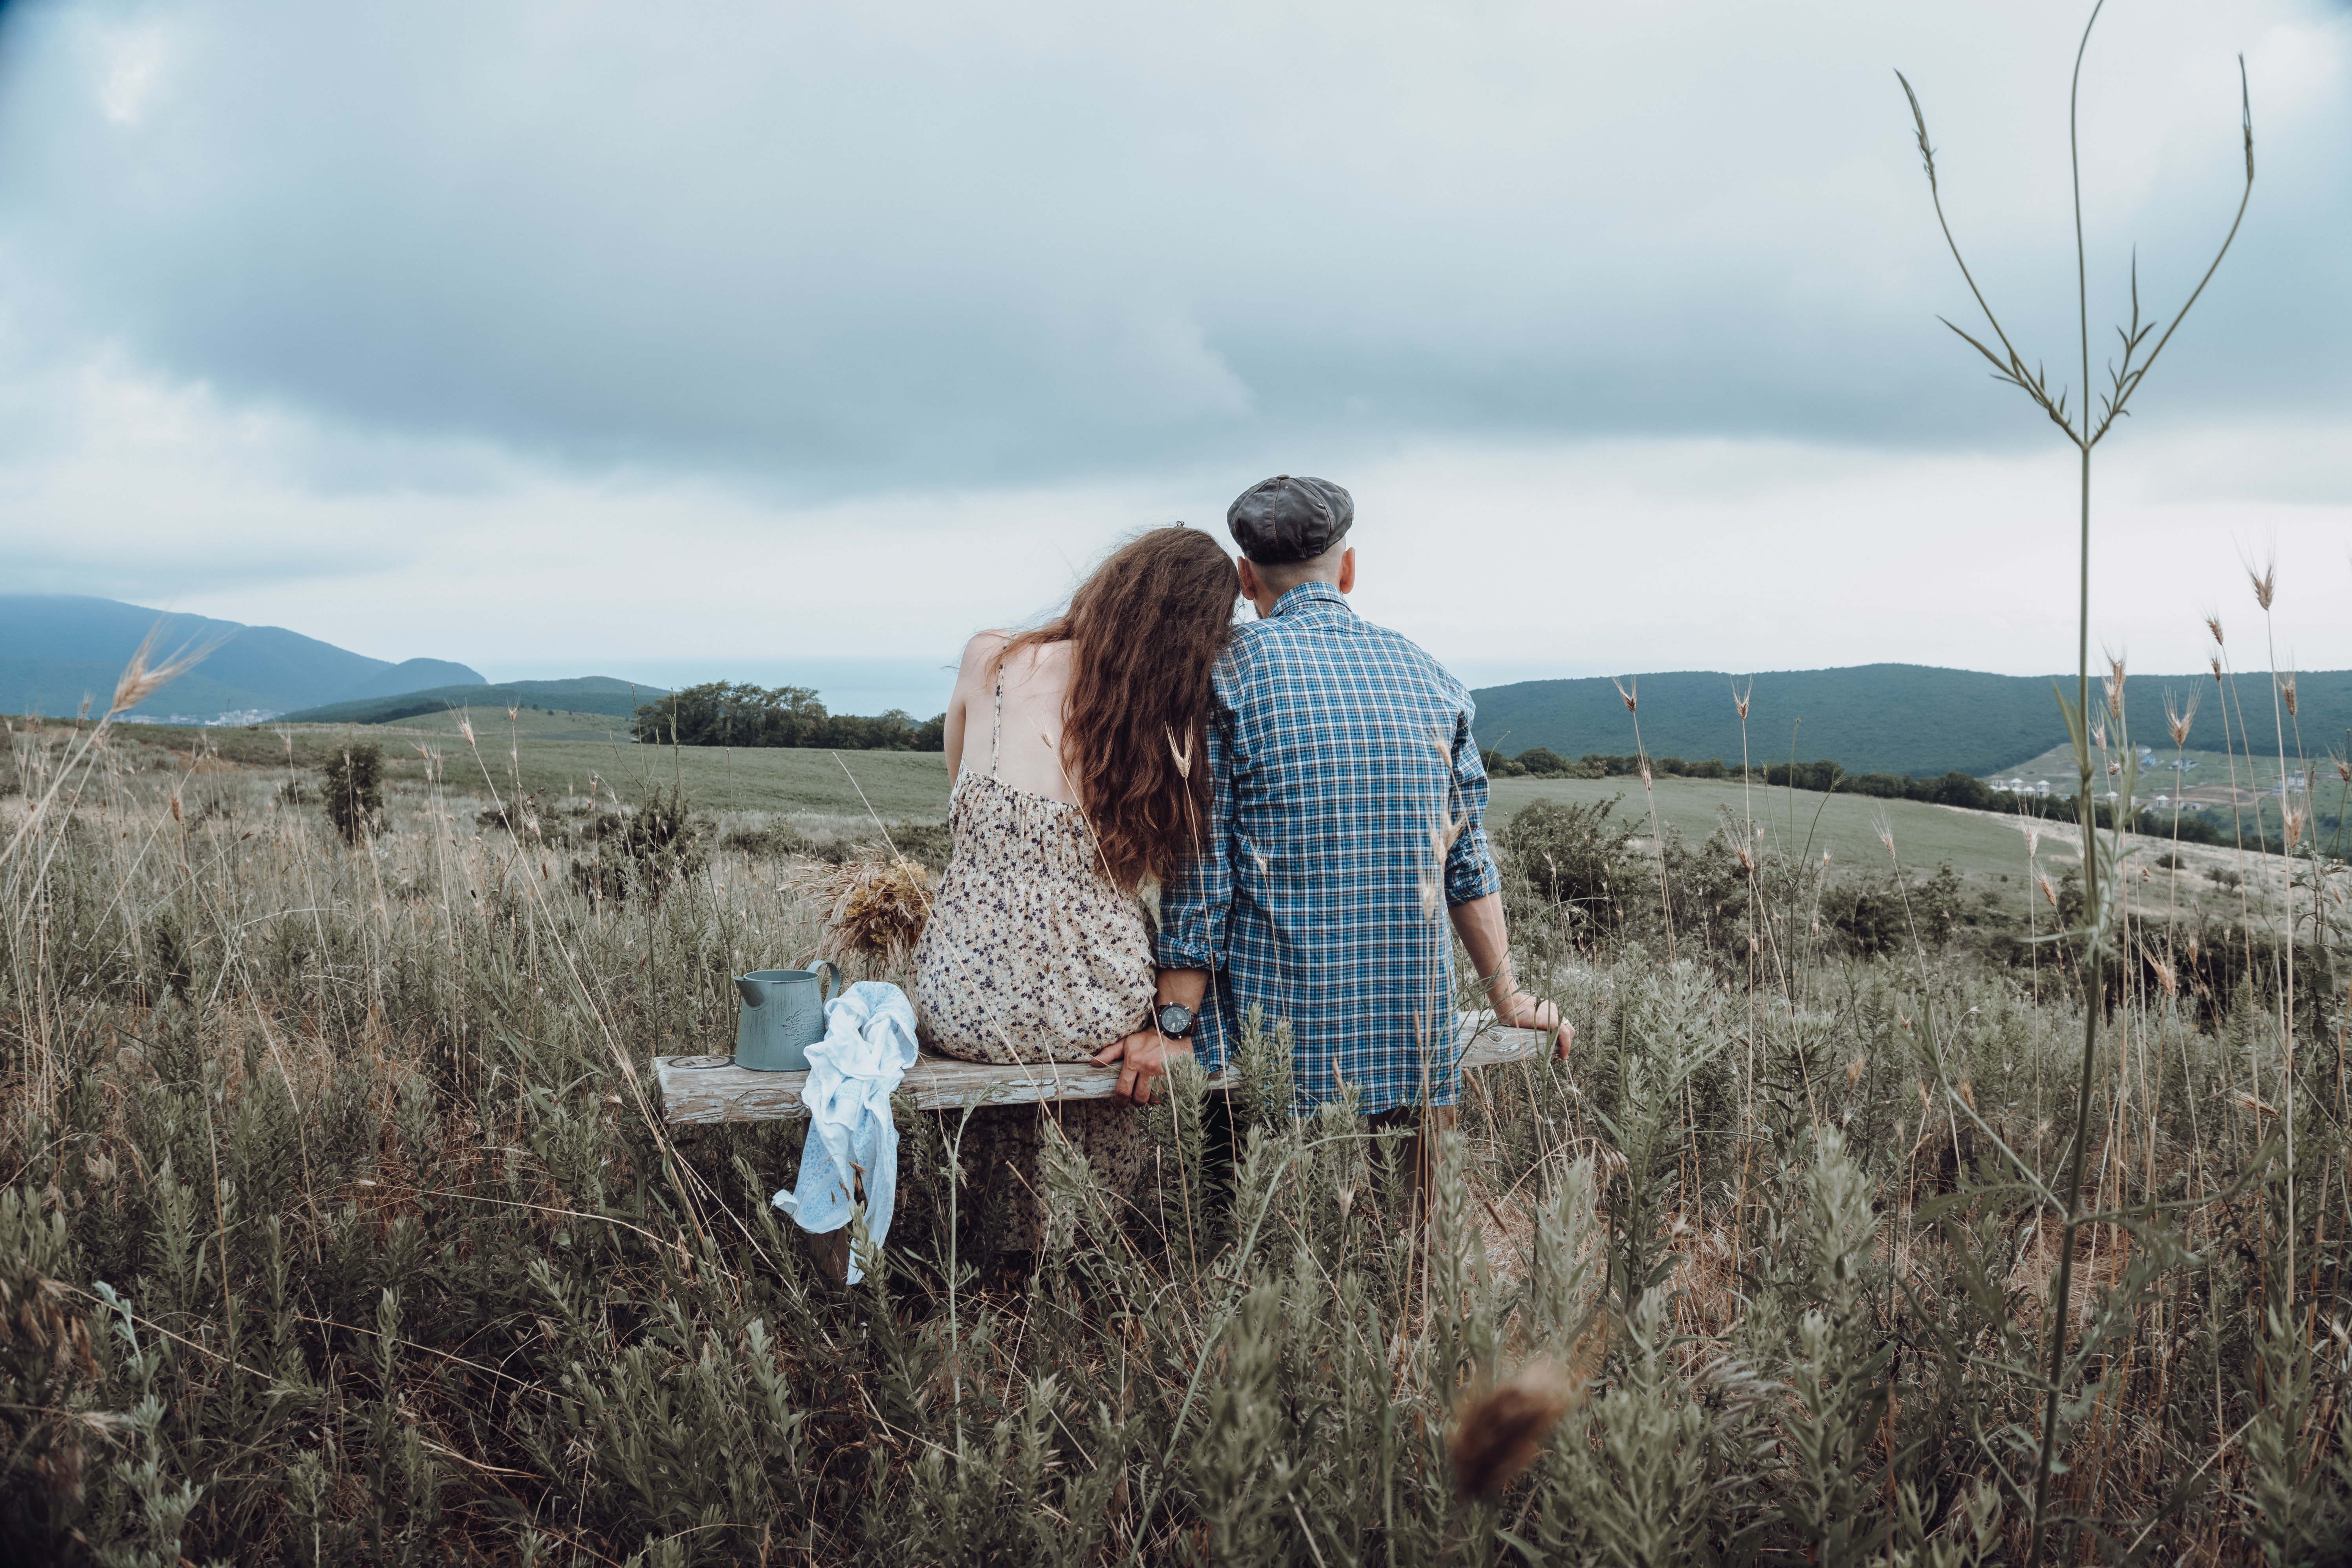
(491, 725)
(267, 743)
(898, 785)
(1800, 822)
(562, 753)
(557, 755)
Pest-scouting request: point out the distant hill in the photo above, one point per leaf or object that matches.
(585, 694)
(1875, 718)
(56, 649)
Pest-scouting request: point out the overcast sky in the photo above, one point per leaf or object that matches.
(681, 340)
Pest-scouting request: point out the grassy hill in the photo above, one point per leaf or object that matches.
(599, 694)
(555, 753)
(898, 785)
(1877, 717)
(553, 761)
(562, 753)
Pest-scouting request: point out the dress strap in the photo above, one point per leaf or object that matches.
(996, 726)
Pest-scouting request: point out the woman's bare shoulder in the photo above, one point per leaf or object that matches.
(979, 653)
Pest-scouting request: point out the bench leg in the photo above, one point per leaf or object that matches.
(830, 1255)
(1428, 1124)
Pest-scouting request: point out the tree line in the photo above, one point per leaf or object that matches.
(732, 713)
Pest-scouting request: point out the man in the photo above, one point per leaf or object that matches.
(1346, 806)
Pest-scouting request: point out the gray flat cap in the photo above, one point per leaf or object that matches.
(1283, 519)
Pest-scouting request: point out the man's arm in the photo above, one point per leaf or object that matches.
(1470, 871)
(1473, 894)
(1193, 911)
(1487, 937)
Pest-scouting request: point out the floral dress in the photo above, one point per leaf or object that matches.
(1031, 955)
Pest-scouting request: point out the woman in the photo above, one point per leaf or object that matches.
(1070, 748)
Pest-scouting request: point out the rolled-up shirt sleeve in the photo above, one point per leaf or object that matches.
(1197, 905)
(1470, 871)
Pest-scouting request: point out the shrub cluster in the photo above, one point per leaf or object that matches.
(645, 849)
(925, 843)
(1580, 874)
(354, 792)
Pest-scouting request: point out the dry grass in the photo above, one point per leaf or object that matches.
(262, 1085)
(875, 906)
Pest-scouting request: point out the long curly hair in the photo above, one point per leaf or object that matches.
(1144, 631)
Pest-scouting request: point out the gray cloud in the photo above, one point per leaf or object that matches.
(828, 250)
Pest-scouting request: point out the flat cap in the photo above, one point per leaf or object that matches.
(1287, 519)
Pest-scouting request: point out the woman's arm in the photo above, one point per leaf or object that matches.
(977, 675)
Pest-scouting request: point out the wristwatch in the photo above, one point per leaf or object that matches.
(1176, 1020)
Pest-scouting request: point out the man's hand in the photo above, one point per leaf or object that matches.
(1142, 1058)
(1521, 1011)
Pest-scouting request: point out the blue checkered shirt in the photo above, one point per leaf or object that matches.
(1346, 815)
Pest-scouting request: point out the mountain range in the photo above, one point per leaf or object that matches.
(58, 649)
(1880, 717)
(55, 650)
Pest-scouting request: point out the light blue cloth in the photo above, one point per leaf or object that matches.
(868, 1045)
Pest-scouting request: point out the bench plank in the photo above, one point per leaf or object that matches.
(693, 1094)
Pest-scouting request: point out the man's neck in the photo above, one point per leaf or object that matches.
(1269, 601)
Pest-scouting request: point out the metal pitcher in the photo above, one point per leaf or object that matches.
(782, 1017)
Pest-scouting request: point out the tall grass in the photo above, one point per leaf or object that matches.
(338, 1228)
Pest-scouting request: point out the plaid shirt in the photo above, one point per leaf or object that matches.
(1340, 756)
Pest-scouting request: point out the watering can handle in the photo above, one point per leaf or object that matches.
(824, 994)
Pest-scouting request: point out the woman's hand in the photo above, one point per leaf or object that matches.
(1520, 1011)
(1141, 1057)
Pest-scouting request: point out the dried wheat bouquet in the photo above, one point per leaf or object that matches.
(875, 905)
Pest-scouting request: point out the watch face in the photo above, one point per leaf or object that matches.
(1175, 1019)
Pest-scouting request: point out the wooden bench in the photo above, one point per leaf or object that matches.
(697, 1090)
